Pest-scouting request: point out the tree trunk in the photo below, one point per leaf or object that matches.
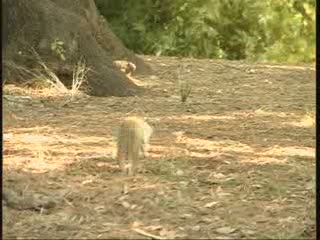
(34, 27)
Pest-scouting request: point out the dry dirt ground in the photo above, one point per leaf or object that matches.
(237, 160)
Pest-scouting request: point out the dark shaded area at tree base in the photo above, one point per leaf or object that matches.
(33, 26)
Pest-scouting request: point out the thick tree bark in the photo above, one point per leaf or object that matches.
(36, 25)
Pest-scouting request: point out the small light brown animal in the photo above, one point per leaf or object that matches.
(124, 66)
(133, 137)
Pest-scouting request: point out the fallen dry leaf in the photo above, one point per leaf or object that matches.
(86, 181)
(210, 204)
(225, 230)
(219, 175)
(125, 204)
(196, 228)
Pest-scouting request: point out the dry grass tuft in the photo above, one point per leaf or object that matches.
(46, 81)
(79, 77)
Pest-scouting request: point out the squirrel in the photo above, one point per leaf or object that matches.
(124, 66)
(133, 137)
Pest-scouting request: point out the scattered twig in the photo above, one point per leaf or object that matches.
(68, 202)
(147, 234)
(24, 191)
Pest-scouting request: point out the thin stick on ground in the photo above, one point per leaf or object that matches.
(147, 234)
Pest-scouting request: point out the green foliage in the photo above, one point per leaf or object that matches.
(271, 30)
(290, 28)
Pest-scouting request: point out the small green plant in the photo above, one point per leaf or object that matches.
(57, 47)
(185, 90)
(184, 83)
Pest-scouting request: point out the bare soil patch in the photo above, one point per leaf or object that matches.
(236, 161)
